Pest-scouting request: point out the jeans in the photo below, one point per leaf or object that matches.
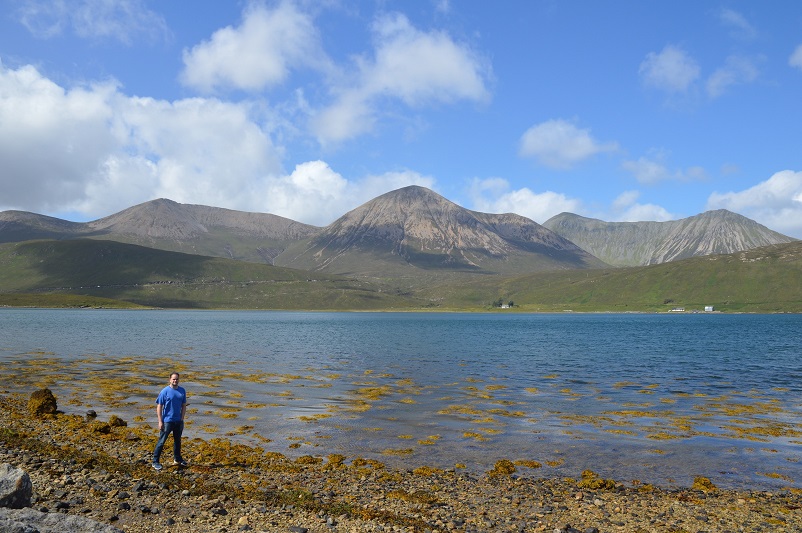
(176, 428)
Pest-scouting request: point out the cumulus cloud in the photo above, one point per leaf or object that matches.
(796, 58)
(672, 70)
(408, 65)
(495, 196)
(625, 208)
(776, 203)
(94, 150)
(736, 70)
(51, 139)
(259, 53)
(653, 168)
(316, 194)
(122, 20)
(560, 144)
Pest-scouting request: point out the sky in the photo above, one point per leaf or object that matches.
(626, 110)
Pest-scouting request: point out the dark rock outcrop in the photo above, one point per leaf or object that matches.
(16, 488)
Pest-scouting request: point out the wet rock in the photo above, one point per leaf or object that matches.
(16, 488)
(42, 402)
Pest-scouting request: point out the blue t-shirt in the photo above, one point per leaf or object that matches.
(171, 401)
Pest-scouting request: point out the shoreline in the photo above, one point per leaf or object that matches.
(88, 467)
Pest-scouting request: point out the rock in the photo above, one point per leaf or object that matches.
(91, 415)
(117, 422)
(42, 402)
(16, 488)
(25, 520)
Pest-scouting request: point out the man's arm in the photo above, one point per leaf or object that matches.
(183, 410)
(159, 415)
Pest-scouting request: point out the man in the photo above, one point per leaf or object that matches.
(171, 406)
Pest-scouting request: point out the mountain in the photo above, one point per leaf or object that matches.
(167, 225)
(18, 226)
(414, 230)
(405, 233)
(649, 243)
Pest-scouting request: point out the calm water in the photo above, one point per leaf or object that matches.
(657, 398)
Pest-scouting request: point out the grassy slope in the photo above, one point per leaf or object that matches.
(763, 280)
(146, 276)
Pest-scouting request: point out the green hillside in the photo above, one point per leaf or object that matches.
(36, 272)
(110, 274)
(767, 279)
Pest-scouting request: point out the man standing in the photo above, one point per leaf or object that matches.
(170, 408)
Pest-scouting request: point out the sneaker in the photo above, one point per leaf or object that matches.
(157, 466)
(180, 462)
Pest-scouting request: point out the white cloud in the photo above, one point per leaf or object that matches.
(672, 70)
(94, 151)
(736, 70)
(122, 20)
(51, 139)
(625, 208)
(316, 194)
(653, 169)
(796, 58)
(740, 27)
(415, 67)
(259, 53)
(494, 196)
(560, 144)
(776, 203)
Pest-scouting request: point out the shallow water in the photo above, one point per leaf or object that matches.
(655, 398)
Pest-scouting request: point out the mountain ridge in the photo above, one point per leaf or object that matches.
(404, 232)
(649, 243)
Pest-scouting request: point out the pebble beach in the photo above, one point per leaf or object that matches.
(101, 470)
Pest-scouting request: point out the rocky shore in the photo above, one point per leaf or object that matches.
(100, 471)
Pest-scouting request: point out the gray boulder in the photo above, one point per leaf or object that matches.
(33, 521)
(16, 488)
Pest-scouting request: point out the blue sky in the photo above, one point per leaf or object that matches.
(620, 110)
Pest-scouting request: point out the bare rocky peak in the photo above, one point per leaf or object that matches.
(421, 228)
(170, 220)
(646, 243)
(416, 214)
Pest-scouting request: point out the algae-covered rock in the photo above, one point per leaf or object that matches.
(100, 427)
(117, 422)
(591, 480)
(704, 484)
(42, 402)
(503, 467)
